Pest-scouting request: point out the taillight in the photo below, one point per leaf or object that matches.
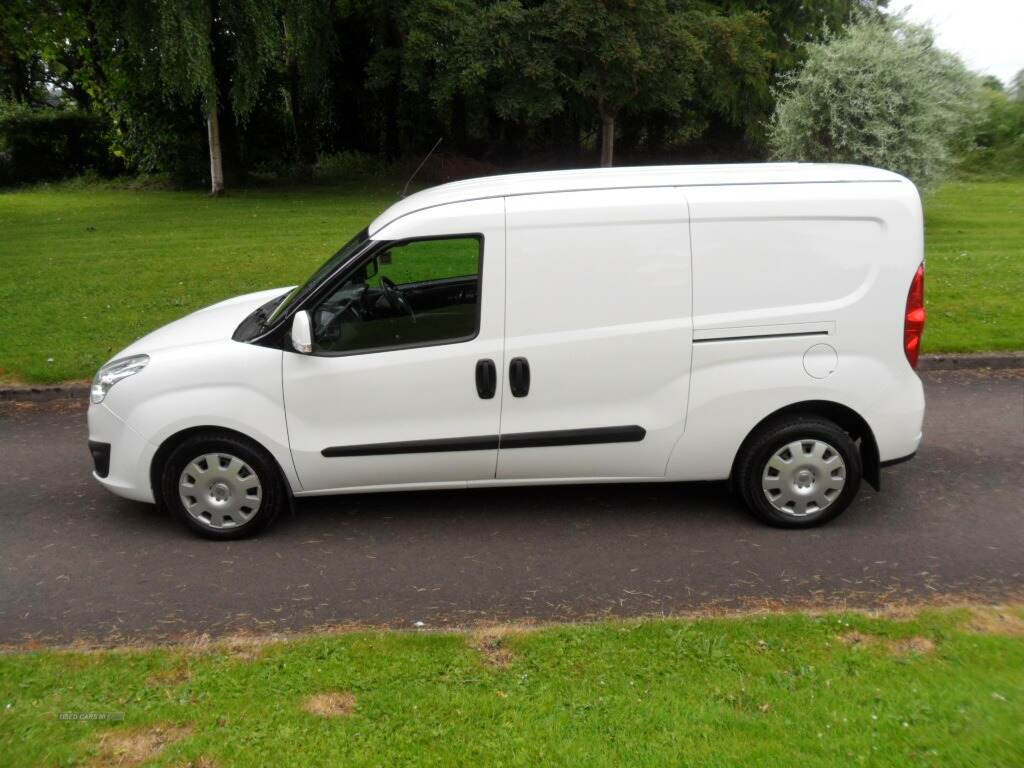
(913, 323)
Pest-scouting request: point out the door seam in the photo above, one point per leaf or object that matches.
(504, 332)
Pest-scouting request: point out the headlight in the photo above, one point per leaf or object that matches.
(113, 372)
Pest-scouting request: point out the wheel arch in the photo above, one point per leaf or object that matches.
(845, 417)
(173, 441)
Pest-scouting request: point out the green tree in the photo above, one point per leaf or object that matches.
(273, 82)
(642, 55)
(992, 83)
(792, 24)
(308, 47)
(21, 57)
(222, 53)
(48, 52)
(204, 48)
(997, 142)
(537, 60)
(1016, 88)
(881, 94)
(229, 58)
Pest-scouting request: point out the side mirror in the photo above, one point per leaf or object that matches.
(302, 333)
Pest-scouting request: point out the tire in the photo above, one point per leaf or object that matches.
(818, 481)
(239, 493)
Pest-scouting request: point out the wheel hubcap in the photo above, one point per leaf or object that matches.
(803, 477)
(220, 490)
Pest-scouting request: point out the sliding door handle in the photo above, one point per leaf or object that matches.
(486, 379)
(519, 377)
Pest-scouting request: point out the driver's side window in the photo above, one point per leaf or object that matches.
(414, 293)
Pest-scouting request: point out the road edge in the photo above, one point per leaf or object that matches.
(953, 361)
(944, 362)
(68, 390)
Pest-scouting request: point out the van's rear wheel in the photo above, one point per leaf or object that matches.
(798, 472)
(222, 486)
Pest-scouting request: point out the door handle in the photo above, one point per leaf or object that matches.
(519, 376)
(486, 379)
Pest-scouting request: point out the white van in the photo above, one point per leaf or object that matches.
(758, 323)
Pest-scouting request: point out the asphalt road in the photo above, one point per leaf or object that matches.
(79, 564)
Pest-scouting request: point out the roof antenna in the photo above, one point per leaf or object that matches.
(422, 163)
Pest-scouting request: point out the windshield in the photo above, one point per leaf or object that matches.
(328, 268)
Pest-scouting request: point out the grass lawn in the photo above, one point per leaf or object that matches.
(974, 287)
(83, 272)
(941, 688)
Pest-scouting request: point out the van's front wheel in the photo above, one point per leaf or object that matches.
(222, 486)
(799, 472)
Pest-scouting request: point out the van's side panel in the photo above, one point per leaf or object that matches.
(598, 302)
(799, 295)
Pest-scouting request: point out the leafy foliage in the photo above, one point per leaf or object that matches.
(46, 144)
(592, 60)
(881, 94)
(793, 24)
(505, 82)
(997, 149)
(1016, 89)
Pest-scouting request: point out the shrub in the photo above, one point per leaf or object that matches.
(47, 144)
(443, 167)
(439, 168)
(998, 141)
(880, 94)
(350, 165)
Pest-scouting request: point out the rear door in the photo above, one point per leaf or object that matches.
(597, 334)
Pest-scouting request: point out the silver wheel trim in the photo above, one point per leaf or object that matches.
(220, 490)
(803, 477)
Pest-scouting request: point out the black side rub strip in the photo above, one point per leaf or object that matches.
(762, 336)
(482, 443)
(592, 436)
(630, 434)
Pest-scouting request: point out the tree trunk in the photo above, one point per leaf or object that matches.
(607, 139)
(216, 156)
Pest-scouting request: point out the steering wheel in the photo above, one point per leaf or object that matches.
(395, 299)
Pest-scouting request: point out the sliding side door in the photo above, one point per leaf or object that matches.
(597, 334)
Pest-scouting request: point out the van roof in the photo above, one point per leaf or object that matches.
(622, 178)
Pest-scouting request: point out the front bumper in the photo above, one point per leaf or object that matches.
(128, 456)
